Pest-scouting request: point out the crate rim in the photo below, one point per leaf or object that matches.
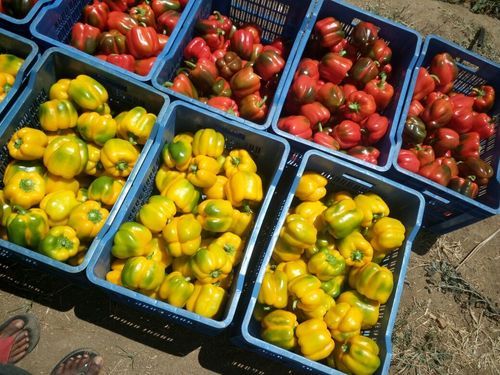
(399, 138)
(404, 88)
(26, 19)
(288, 64)
(258, 342)
(131, 178)
(172, 41)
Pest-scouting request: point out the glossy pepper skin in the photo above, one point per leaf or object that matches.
(253, 107)
(370, 308)
(177, 154)
(6, 83)
(374, 128)
(87, 92)
(268, 64)
(142, 42)
(436, 172)
(298, 232)
(225, 104)
(183, 85)
(284, 252)
(364, 70)
(468, 146)
(85, 37)
(309, 300)
(380, 52)
(372, 281)
(10, 64)
(342, 218)
(202, 171)
(130, 240)
(293, 269)
(229, 64)
(208, 142)
(221, 88)
(324, 139)
(87, 219)
(66, 156)
(233, 245)
(333, 286)
(445, 68)
(156, 213)
(96, 14)
(304, 89)
(331, 96)
(105, 189)
(245, 82)
(181, 192)
(381, 90)
(215, 215)
(96, 128)
(484, 98)
(278, 328)
(416, 108)
(58, 206)
(424, 153)
(143, 14)
(244, 188)
(239, 160)
(167, 21)
(333, 68)
(118, 157)
(25, 166)
(373, 208)
(242, 222)
(120, 21)
(356, 250)
(242, 42)
(183, 235)
(344, 321)
(142, 273)
(57, 114)
(296, 125)
(27, 144)
(358, 355)
(437, 114)
(203, 74)
(314, 339)
(312, 212)
(55, 183)
(60, 243)
(329, 31)
(307, 67)
(316, 113)
(425, 84)
(196, 49)
(414, 131)
(273, 291)
(484, 125)
(444, 140)
(477, 169)
(135, 125)
(358, 106)
(386, 235)
(347, 134)
(207, 300)
(111, 42)
(368, 154)
(176, 289)
(364, 35)
(326, 264)
(464, 186)
(311, 187)
(27, 227)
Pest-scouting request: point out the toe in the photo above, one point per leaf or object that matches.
(12, 328)
(96, 365)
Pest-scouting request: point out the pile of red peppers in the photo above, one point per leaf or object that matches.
(229, 68)
(444, 128)
(127, 33)
(341, 89)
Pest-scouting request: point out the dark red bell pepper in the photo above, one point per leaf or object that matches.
(304, 89)
(229, 64)
(85, 37)
(364, 35)
(117, 5)
(424, 153)
(17, 8)
(196, 49)
(268, 64)
(358, 106)
(484, 98)
(112, 42)
(416, 108)
(256, 51)
(369, 154)
(364, 71)
(307, 67)
(477, 169)
(436, 172)
(183, 85)
(124, 61)
(167, 21)
(329, 31)
(347, 134)
(220, 52)
(224, 104)
(202, 74)
(414, 131)
(468, 146)
(142, 42)
(426, 83)
(96, 14)
(222, 22)
(408, 160)
(242, 43)
(161, 6)
(380, 52)
(221, 87)
(444, 67)
(121, 22)
(333, 67)
(444, 140)
(373, 128)
(144, 66)
(464, 186)
(331, 96)
(484, 125)
(451, 163)
(253, 107)
(437, 114)
(245, 82)
(143, 14)
(316, 113)
(381, 90)
(296, 125)
(348, 89)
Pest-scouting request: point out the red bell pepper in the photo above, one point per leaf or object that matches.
(255, 30)
(242, 43)
(221, 52)
(215, 41)
(380, 52)
(222, 22)
(224, 104)
(444, 67)
(358, 106)
(369, 154)
(436, 172)
(161, 6)
(167, 21)
(162, 42)
(296, 125)
(268, 64)
(424, 153)
(346, 49)
(381, 91)
(202, 74)
(373, 128)
(426, 83)
(245, 82)
(476, 169)
(142, 42)
(96, 14)
(329, 31)
(462, 101)
(333, 68)
(464, 186)
(304, 89)
(435, 95)
(468, 146)
(221, 87)
(416, 108)
(462, 119)
(307, 67)
(229, 64)
(347, 134)
(143, 14)
(364, 71)
(257, 49)
(121, 22)
(484, 98)
(117, 5)
(316, 113)
(484, 125)
(323, 138)
(331, 96)
(183, 85)
(364, 35)
(112, 42)
(253, 107)
(144, 66)
(444, 140)
(85, 37)
(280, 45)
(124, 61)
(196, 49)
(437, 114)
(348, 89)
(451, 163)
(408, 160)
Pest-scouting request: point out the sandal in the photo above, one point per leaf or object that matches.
(30, 325)
(84, 368)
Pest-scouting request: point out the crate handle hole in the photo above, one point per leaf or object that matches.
(467, 65)
(358, 181)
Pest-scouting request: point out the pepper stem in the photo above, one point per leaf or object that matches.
(121, 166)
(354, 107)
(435, 78)
(94, 216)
(27, 185)
(168, 84)
(262, 102)
(190, 64)
(18, 143)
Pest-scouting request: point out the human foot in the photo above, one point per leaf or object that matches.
(18, 336)
(80, 361)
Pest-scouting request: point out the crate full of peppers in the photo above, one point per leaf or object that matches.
(349, 85)
(185, 241)
(333, 272)
(71, 145)
(19, 14)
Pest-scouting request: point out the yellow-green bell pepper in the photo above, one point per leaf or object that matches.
(27, 144)
(293, 269)
(156, 213)
(55, 183)
(58, 206)
(94, 166)
(25, 189)
(202, 171)
(278, 328)
(314, 339)
(215, 215)
(283, 252)
(356, 250)
(311, 187)
(208, 142)
(57, 114)
(386, 235)
(327, 264)
(312, 211)
(358, 355)
(244, 188)
(142, 273)
(372, 206)
(210, 264)
(232, 245)
(274, 289)
(87, 92)
(131, 240)
(207, 300)
(10, 64)
(61, 243)
(5, 210)
(183, 235)
(372, 281)
(118, 157)
(135, 125)
(181, 264)
(298, 232)
(344, 321)
(21, 165)
(6, 82)
(157, 251)
(87, 219)
(216, 191)
(27, 227)
(242, 223)
(105, 189)
(334, 286)
(324, 241)
(342, 218)
(370, 308)
(66, 156)
(96, 128)
(59, 90)
(239, 160)
(182, 192)
(308, 297)
(177, 154)
(176, 289)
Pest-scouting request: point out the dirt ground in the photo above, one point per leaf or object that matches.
(448, 320)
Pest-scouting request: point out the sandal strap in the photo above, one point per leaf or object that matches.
(6, 344)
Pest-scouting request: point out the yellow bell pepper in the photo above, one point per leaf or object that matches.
(215, 215)
(278, 328)
(324, 241)
(55, 183)
(182, 264)
(164, 175)
(106, 190)
(273, 290)
(131, 240)
(183, 235)
(87, 92)
(135, 125)
(114, 277)
(216, 191)
(344, 321)
(358, 355)
(308, 297)
(239, 160)
(77, 259)
(233, 246)
(57, 115)
(5, 209)
(370, 308)
(82, 195)
(177, 154)
(156, 213)
(27, 144)
(94, 166)
(25, 189)
(176, 289)
(202, 171)
(293, 269)
(142, 273)
(210, 264)
(337, 197)
(208, 142)
(118, 157)
(157, 251)
(207, 300)
(298, 232)
(314, 339)
(59, 90)
(10, 64)
(242, 223)
(118, 264)
(96, 128)
(312, 211)
(372, 281)
(386, 235)
(58, 206)
(20, 165)
(6, 82)
(177, 188)
(311, 187)
(283, 252)
(326, 264)
(87, 219)
(244, 188)
(356, 250)
(61, 243)
(66, 156)
(53, 135)
(373, 208)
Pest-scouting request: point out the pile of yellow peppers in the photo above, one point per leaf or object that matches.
(327, 241)
(65, 177)
(190, 236)
(9, 67)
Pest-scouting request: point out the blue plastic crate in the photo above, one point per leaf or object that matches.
(447, 210)
(277, 18)
(21, 47)
(52, 27)
(406, 204)
(405, 44)
(123, 95)
(270, 154)
(21, 25)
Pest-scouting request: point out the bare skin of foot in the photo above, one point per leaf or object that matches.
(20, 346)
(74, 364)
